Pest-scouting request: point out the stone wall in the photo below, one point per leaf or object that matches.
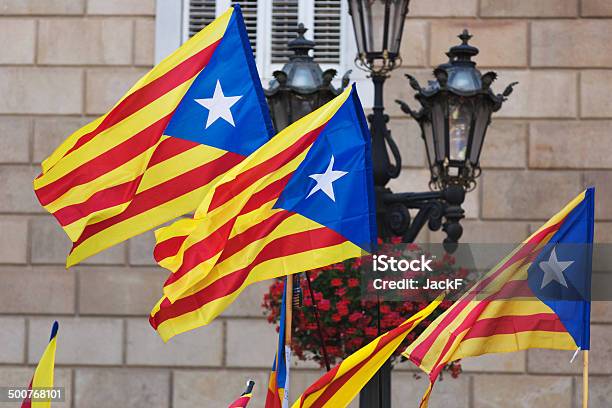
(63, 62)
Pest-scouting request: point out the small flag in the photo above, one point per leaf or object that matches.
(43, 376)
(278, 385)
(537, 297)
(157, 152)
(341, 384)
(244, 399)
(302, 201)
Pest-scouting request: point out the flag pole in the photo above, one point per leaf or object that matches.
(288, 309)
(288, 331)
(585, 379)
(318, 320)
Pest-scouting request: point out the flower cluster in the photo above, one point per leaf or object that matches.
(349, 318)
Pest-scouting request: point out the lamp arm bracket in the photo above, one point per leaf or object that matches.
(430, 213)
(394, 169)
(437, 209)
(412, 200)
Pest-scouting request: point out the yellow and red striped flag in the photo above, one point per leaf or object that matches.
(537, 297)
(302, 201)
(43, 376)
(156, 153)
(245, 398)
(340, 385)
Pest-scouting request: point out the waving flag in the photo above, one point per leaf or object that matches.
(302, 201)
(43, 376)
(537, 297)
(158, 151)
(341, 384)
(245, 398)
(278, 386)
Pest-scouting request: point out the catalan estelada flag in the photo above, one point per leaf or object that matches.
(43, 376)
(302, 201)
(537, 297)
(245, 398)
(278, 385)
(341, 384)
(157, 152)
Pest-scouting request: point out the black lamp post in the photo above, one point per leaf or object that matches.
(455, 114)
(301, 86)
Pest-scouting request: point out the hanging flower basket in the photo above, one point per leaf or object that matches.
(349, 320)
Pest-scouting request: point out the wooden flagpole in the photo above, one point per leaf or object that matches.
(288, 331)
(288, 309)
(585, 379)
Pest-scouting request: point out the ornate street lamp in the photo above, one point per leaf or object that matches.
(455, 112)
(301, 86)
(378, 28)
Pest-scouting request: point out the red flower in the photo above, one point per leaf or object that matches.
(342, 310)
(354, 317)
(414, 247)
(324, 305)
(371, 331)
(349, 318)
(341, 291)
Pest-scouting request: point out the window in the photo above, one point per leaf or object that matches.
(271, 24)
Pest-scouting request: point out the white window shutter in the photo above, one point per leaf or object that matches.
(249, 12)
(201, 13)
(327, 30)
(284, 25)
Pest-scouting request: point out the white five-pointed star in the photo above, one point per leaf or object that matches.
(219, 106)
(325, 180)
(553, 270)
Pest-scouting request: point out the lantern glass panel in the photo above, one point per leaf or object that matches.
(483, 117)
(399, 9)
(429, 142)
(361, 23)
(459, 123)
(377, 29)
(438, 121)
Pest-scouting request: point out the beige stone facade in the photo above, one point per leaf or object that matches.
(62, 62)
